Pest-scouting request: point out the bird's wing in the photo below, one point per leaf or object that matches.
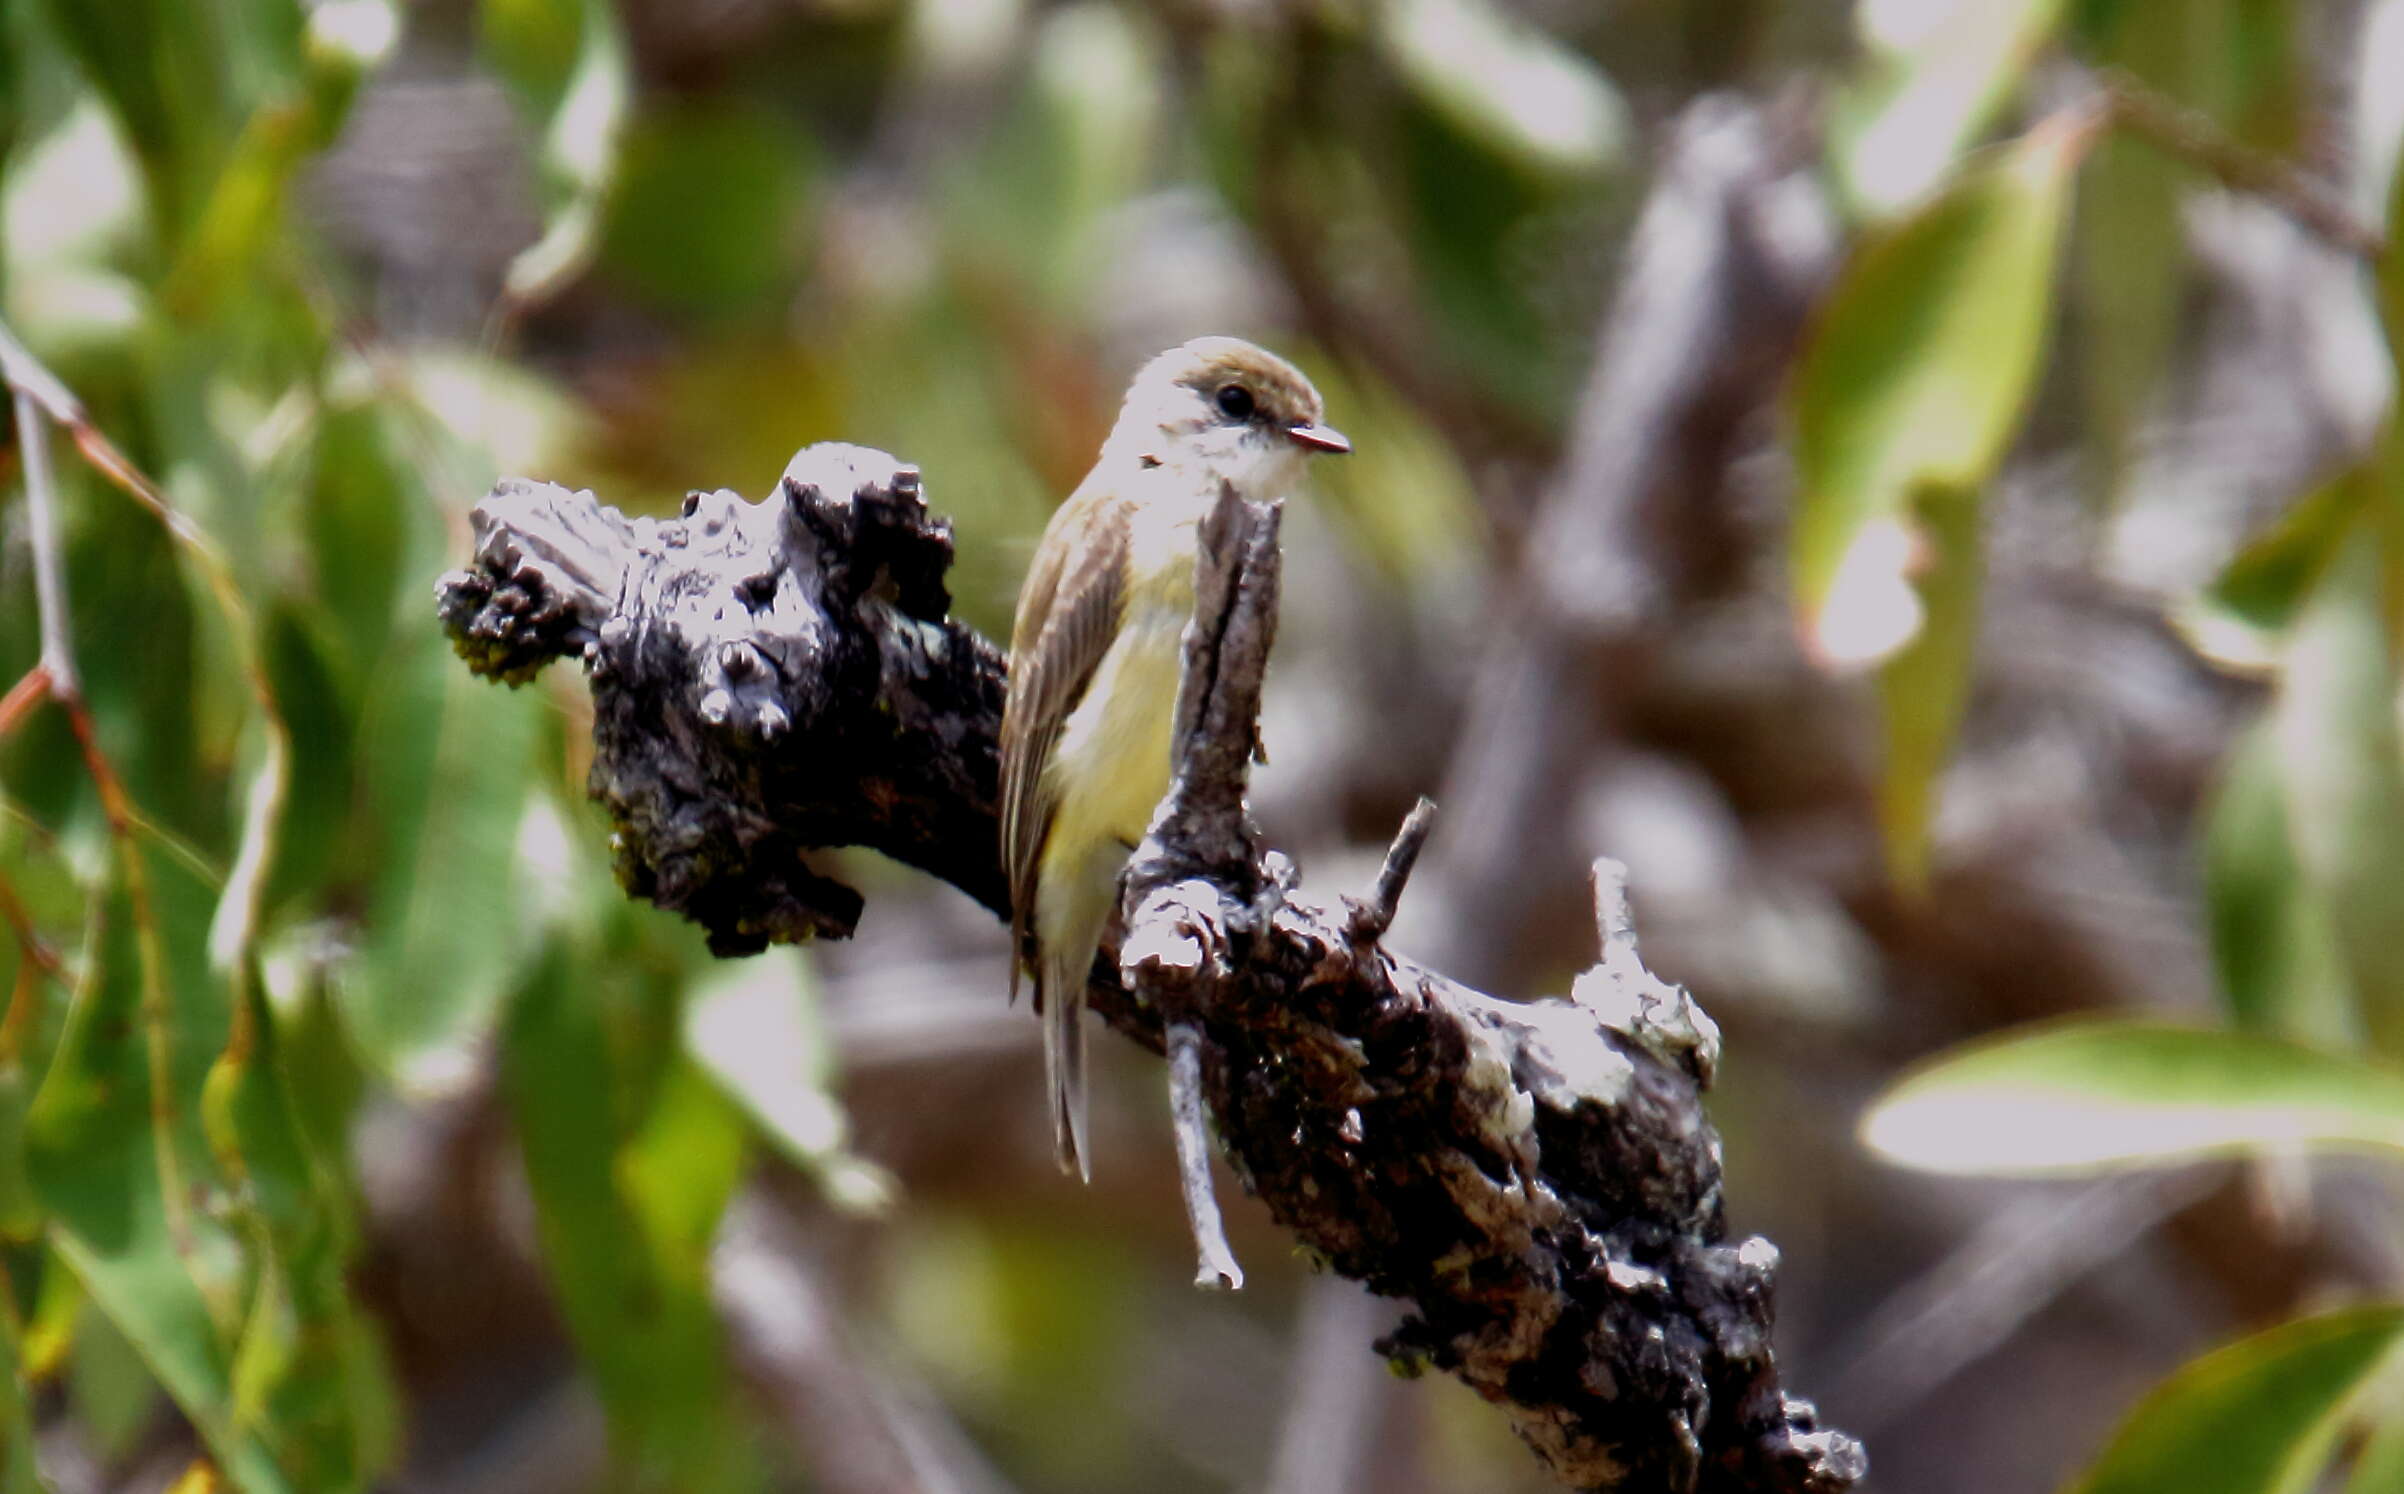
(1068, 611)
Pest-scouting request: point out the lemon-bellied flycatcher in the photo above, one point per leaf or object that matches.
(1096, 652)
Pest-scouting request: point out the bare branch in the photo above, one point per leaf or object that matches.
(1218, 1267)
(1539, 1181)
(2192, 136)
(1371, 919)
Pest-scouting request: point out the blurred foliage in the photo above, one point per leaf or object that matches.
(343, 877)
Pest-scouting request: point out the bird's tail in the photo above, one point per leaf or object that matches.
(1062, 994)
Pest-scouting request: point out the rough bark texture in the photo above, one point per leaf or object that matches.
(1539, 1180)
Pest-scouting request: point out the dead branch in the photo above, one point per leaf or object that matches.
(1539, 1181)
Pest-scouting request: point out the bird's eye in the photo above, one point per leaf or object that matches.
(1235, 402)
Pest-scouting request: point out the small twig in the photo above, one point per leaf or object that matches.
(1630, 999)
(1371, 919)
(22, 697)
(36, 388)
(1218, 1268)
(49, 577)
(2193, 137)
(1612, 918)
(29, 939)
(36, 393)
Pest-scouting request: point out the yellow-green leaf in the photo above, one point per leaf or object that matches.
(2379, 1467)
(2242, 619)
(2260, 1416)
(631, 1155)
(1925, 687)
(1902, 405)
(2274, 946)
(1531, 99)
(1916, 376)
(752, 1026)
(2099, 1094)
(111, 1157)
(2342, 765)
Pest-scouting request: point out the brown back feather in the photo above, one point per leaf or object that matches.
(1068, 612)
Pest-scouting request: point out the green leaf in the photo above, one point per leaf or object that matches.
(299, 1372)
(112, 1157)
(448, 762)
(358, 501)
(2242, 619)
(2096, 1094)
(1920, 367)
(752, 1026)
(113, 1392)
(2379, 1467)
(2128, 256)
(1532, 100)
(317, 806)
(2258, 1417)
(1925, 688)
(580, 147)
(706, 212)
(18, 1475)
(158, 64)
(534, 46)
(2274, 949)
(1940, 70)
(631, 1161)
(1917, 374)
(2342, 762)
(1903, 405)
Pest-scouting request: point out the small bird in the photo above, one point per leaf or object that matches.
(1096, 653)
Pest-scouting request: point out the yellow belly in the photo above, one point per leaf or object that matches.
(1111, 764)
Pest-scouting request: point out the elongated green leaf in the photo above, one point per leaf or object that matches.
(112, 1389)
(704, 216)
(160, 67)
(119, 1203)
(17, 1472)
(1925, 687)
(2274, 947)
(2093, 1095)
(752, 1026)
(1917, 374)
(1903, 405)
(2379, 1467)
(448, 761)
(298, 1373)
(2343, 769)
(2242, 619)
(1531, 99)
(2128, 256)
(580, 151)
(626, 1210)
(2258, 1417)
(1940, 69)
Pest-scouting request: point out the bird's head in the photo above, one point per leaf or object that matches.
(1221, 403)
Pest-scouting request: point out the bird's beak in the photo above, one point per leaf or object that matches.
(1319, 438)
